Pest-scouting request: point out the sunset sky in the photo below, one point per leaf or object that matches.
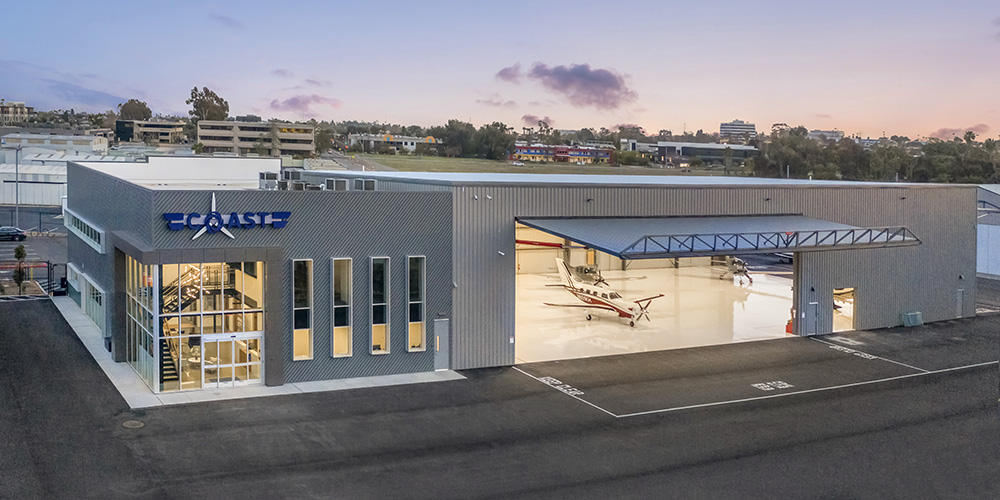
(909, 67)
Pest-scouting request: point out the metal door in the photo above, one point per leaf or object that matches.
(811, 318)
(441, 344)
(959, 302)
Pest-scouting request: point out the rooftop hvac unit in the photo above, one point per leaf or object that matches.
(336, 185)
(298, 186)
(364, 184)
(268, 180)
(282, 185)
(314, 187)
(292, 175)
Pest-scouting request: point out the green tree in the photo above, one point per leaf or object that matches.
(207, 105)
(20, 273)
(323, 139)
(494, 141)
(198, 148)
(457, 137)
(134, 109)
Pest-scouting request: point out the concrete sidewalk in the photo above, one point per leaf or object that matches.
(138, 395)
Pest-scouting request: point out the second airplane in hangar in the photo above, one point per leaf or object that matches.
(598, 297)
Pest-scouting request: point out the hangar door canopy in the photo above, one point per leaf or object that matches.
(686, 236)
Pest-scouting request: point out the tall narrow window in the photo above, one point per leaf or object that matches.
(380, 305)
(341, 340)
(302, 343)
(415, 312)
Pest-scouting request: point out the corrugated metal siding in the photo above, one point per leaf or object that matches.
(890, 281)
(324, 225)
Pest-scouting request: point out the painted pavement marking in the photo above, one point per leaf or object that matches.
(865, 355)
(574, 393)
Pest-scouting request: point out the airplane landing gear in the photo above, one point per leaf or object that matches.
(589, 317)
(631, 323)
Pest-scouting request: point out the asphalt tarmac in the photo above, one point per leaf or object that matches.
(851, 426)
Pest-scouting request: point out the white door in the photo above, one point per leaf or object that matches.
(231, 360)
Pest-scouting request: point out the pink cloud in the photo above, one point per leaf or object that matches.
(949, 133)
(302, 103)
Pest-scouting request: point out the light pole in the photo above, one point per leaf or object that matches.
(17, 185)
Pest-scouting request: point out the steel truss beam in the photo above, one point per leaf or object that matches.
(697, 245)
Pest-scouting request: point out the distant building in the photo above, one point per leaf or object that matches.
(562, 153)
(710, 151)
(15, 112)
(738, 128)
(640, 147)
(374, 141)
(79, 144)
(107, 133)
(828, 135)
(271, 138)
(156, 132)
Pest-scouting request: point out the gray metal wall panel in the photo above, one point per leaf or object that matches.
(323, 225)
(890, 281)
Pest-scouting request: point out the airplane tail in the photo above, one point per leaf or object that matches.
(564, 274)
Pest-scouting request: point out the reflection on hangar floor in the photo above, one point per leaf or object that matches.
(698, 309)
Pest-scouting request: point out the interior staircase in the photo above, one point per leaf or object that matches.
(168, 368)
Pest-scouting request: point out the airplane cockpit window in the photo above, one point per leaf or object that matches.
(604, 295)
(614, 295)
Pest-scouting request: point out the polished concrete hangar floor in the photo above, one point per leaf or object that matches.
(698, 309)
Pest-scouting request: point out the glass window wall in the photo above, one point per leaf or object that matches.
(380, 305)
(302, 342)
(415, 311)
(341, 340)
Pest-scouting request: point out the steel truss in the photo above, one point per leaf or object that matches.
(696, 245)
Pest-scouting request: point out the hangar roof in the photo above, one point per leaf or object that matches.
(665, 237)
(470, 178)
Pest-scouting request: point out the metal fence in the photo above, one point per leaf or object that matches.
(36, 221)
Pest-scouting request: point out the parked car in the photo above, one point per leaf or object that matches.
(517, 164)
(12, 233)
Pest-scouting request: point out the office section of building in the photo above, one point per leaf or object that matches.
(561, 153)
(12, 113)
(149, 131)
(738, 129)
(263, 138)
(213, 273)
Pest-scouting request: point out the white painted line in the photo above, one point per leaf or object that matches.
(574, 396)
(772, 396)
(869, 354)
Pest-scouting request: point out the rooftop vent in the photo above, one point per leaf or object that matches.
(298, 186)
(292, 175)
(314, 187)
(364, 184)
(336, 185)
(282, 185)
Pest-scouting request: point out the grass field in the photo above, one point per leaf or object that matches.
(443, 164)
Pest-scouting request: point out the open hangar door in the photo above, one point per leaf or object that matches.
(697, 281)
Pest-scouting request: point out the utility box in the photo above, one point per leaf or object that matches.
(912, 318)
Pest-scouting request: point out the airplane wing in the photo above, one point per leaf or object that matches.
(588, 306)
(648, 298)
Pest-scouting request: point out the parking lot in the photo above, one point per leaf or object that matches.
(691, 423)
(667, 381)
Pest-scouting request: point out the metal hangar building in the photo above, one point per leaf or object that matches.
(222, 272)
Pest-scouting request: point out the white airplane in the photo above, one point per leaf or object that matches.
(597, 297)
(736, 267)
